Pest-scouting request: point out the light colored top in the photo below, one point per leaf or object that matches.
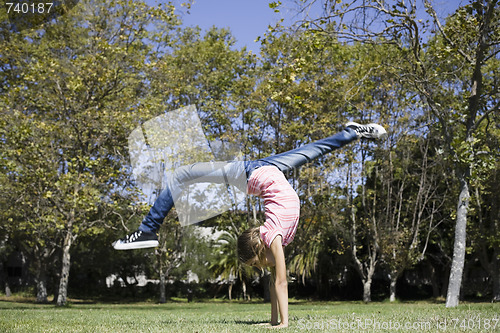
(282, 205)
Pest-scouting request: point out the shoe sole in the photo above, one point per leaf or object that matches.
(136, 245)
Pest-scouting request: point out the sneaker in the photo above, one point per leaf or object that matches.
(137, 240)
(370, 131)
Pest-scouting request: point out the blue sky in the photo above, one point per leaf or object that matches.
(247, 19)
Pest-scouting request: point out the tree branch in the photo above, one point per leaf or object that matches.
(432, 12)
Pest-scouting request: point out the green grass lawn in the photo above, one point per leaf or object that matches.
(21, 315)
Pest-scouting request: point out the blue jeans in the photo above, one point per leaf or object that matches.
(231, 172)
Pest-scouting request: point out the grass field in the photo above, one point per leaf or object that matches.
(21, 315)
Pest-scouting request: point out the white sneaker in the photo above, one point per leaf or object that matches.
(369, 131)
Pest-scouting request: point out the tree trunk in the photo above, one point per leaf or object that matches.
(41, 288)
(66, 263)
(392, 286)
(457, 265)
(244, 287)
(366, 272)
(163, 294)
(8, 292)
(230, 292)
(367, 289)
(367, 276)
(474, 105)
(41, 258)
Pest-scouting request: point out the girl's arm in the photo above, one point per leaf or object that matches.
(280, 284)
(274, 300)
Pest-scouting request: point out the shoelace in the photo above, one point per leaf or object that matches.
(367, 129)
(132, 237)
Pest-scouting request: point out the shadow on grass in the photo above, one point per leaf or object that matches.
(250, 322)
(23, 303)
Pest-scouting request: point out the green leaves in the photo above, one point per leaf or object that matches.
(64, 149)
(275, 6)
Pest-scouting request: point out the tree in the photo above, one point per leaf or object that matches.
(299, 100)
(76, 80)
(309, 85)
(226, 265)
(29, 218)
(170, 254)
(456, 64)
(475, 52)
(412, 195)
(203, 70)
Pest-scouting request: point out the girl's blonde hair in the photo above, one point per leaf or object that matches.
(250, 245)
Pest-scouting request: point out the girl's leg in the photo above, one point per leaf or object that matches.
(297, 157)
(236, 173)
(230, 173)
(162, 205)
